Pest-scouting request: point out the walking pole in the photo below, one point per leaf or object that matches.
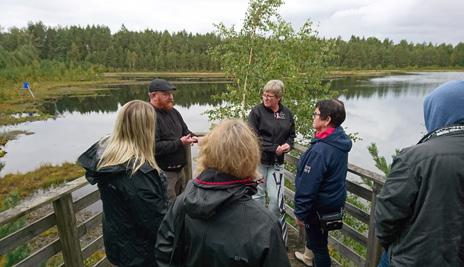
(26, 86)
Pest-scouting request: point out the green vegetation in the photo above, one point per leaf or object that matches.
(265, 48)
(25, 184)
(22, 251)
(380, 162)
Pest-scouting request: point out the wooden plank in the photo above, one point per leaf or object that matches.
(346, 252)
(103, 263)
(26, 233)
(355, 235)
(92, 247)
(89, 224)
(373, 244)
(67, 228)
(188, 167)
(290, 176)
(359, 190)
(291, 159)
(42, 255)
(39, 201)
(357, 213)
(300, 148)
(87, 200)
(289, 211)
(289, 193)
(375, 177)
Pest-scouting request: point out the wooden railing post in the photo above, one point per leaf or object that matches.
(373, 246)
(67, 228)
(188, 167)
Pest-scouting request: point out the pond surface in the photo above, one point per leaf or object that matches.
(382, 110)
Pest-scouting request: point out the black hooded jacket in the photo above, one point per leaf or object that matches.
(133, 207)
(215, 222)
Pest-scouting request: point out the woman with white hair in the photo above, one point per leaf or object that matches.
(131, 185)
(275, 127)
(215, 221)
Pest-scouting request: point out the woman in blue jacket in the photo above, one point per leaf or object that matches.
(321, 178)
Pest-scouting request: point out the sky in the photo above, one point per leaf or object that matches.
(436, 21)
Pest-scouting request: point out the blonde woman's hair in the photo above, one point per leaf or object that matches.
(232, 148)
(274, 86)
(133, 137)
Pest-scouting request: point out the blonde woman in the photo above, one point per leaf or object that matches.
(215, 222)
(131, 186)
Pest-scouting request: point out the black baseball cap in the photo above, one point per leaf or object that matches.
(160, 85)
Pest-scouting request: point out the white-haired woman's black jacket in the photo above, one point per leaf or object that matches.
(215, 222)
(133, 207)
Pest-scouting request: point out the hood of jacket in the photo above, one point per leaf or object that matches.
(90, 158)
(212, 190)
(337, 139)
(444, 105)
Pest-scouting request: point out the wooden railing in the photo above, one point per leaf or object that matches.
(70, 232)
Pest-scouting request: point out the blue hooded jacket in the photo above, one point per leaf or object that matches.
(444, 106)
(321, 175)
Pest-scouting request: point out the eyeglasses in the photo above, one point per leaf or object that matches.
(268, 96)
(316, 114)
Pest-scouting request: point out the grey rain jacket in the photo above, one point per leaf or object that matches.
(419, 215)
(216, 223)
(133, 207)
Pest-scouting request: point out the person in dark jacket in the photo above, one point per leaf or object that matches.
(275, 127)
(419, 214)
(320, 183)
(172, 135)
(131, 185)
(215, 222)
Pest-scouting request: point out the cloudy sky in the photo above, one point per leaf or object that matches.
(436, 21)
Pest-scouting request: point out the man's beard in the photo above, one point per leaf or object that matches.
(167, 105)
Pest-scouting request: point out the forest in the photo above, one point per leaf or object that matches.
(38, 51)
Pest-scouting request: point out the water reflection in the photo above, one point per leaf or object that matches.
(82, 120)
(383, 110)
(387, 111)
(107, 100)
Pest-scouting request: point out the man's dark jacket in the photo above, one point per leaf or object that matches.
(133, 207)
(321, 175)
(273, 129)
(419, 215)
(169, 150)
(216, 223)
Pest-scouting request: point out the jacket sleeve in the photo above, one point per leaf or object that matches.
(292, 135)
(148, 203)
(169, 234)
(277, 253)
(309, 177)
(253, 120)
(394, 204)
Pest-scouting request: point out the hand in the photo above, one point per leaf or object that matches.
(279, 151)
(187, 139)
(285, 148)
(299, 223)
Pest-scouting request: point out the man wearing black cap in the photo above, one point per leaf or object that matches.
(172, 135)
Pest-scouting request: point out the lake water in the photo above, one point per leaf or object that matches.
(384, 110)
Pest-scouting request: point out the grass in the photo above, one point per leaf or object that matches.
(45, 176)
